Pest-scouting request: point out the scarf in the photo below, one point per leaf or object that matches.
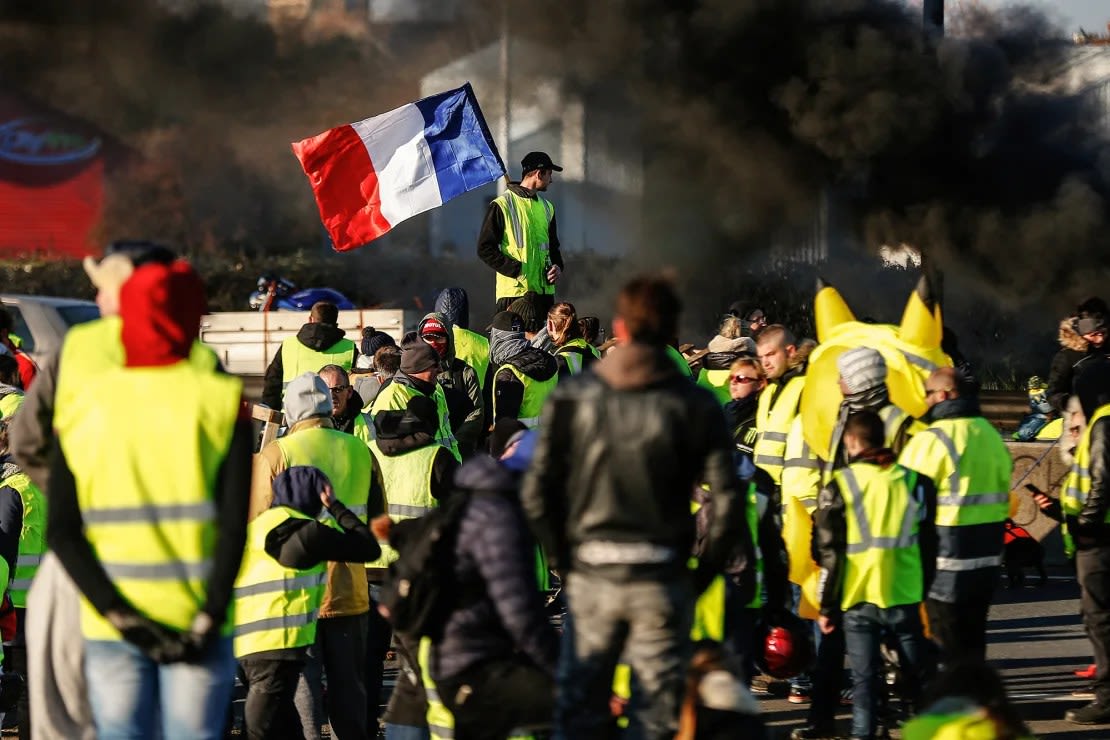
(505, 344)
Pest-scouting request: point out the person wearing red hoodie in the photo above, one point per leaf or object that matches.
(148, 516)
(27, 366)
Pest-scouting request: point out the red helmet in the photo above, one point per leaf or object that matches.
(787, 648)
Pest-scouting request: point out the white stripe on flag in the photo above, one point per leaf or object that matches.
(407, 181)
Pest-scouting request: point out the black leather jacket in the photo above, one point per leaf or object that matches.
(619, 453)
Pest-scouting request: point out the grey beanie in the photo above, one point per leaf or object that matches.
(862, 369)
(306, 396)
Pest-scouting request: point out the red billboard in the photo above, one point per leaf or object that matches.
(51, 180)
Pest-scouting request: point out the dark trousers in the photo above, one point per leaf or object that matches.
(378, 636)
(15, 661)
(491, 700)
(865, 625)
(740, 630)
(1092, 566)
(269, 711)
(827, 675)
(960, 628)
(339, 652)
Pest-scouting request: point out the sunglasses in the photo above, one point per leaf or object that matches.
(743, 379)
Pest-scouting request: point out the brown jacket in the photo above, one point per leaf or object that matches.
(346, 593)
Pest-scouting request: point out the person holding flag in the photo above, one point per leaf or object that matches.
(519, 238)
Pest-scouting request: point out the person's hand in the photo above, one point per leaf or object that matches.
(201, 633)
(327, 496)
(158, 642)
(1043, 500)
(826, 625)
(554, 273)
(381, 526)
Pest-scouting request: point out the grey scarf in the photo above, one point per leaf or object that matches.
(873, 398)
(504, 344)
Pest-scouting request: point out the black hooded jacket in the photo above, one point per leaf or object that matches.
(317, 337)
(508, 391)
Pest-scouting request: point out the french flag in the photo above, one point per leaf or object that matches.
(370, 176)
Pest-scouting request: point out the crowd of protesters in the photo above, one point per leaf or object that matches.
(620, 529)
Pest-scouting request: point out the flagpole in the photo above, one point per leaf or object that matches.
(503, 134)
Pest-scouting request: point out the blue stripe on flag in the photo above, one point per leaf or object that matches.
(462, 148)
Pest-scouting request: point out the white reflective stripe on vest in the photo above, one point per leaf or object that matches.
(963, 564)
(954, 456)
(1002, 497)
(21, 584)
(28, 560)
(906, 536)
(200, 511)
(919, 361)
(274, 623)
(530, 421)
(407, 510)
(514, 221)
(281, 585)
(774, 436)
(175, 571)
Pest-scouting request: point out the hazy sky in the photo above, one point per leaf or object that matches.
(1092, 15)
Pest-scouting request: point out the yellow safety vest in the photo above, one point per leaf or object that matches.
(967, 725)
(94, 347)
(1077, 487)
(473, 349)
(970, 465)
(32, 538)
(535, 393)
(10, 404)
(773, 424)
(396, 397)
(297, 359)
(145, 483)
(407, 480)
(275, 606)
(883, 563)
(363, 430)
(526, 241)
(573, 352)
(716, 381)
(343, 458)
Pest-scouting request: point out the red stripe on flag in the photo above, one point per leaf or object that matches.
(345, 185)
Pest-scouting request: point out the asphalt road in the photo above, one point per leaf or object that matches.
(1036, 641)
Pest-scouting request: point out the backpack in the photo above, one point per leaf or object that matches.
(419, 591)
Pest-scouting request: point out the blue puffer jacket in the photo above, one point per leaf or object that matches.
(455, 305)
(494, 557)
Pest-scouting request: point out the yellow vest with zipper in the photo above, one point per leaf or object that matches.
(145, 484)
(526, 241)
(32, 538)
(275, 606)
(535, 393)
(772, 422)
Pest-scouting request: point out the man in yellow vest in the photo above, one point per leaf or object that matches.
(346, 404)
(152, 534)
(280, 589)
(459, 381)
(876, 543)
(1086, 505)
(969, 463)
(416, 376)
(319, 342)
(778, 403)
(58, 696)
(519, 239)
(342, 627)
(523, 376)
(470, 346)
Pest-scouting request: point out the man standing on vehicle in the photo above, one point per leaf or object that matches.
(319, 342)
(519, 239)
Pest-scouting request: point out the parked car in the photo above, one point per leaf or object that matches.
(41, 322)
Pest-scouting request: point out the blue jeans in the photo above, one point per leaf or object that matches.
(864, 628)
(134, 698)
(648, 622)
(405, 732)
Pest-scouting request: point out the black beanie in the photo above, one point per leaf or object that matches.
(417, 358)
(373, 340)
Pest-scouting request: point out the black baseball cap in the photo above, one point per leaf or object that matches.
(538, 161)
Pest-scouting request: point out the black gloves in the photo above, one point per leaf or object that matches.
(161, 643)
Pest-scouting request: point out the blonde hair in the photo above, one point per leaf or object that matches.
(564, 323)
(751, 362)
(730, 328)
